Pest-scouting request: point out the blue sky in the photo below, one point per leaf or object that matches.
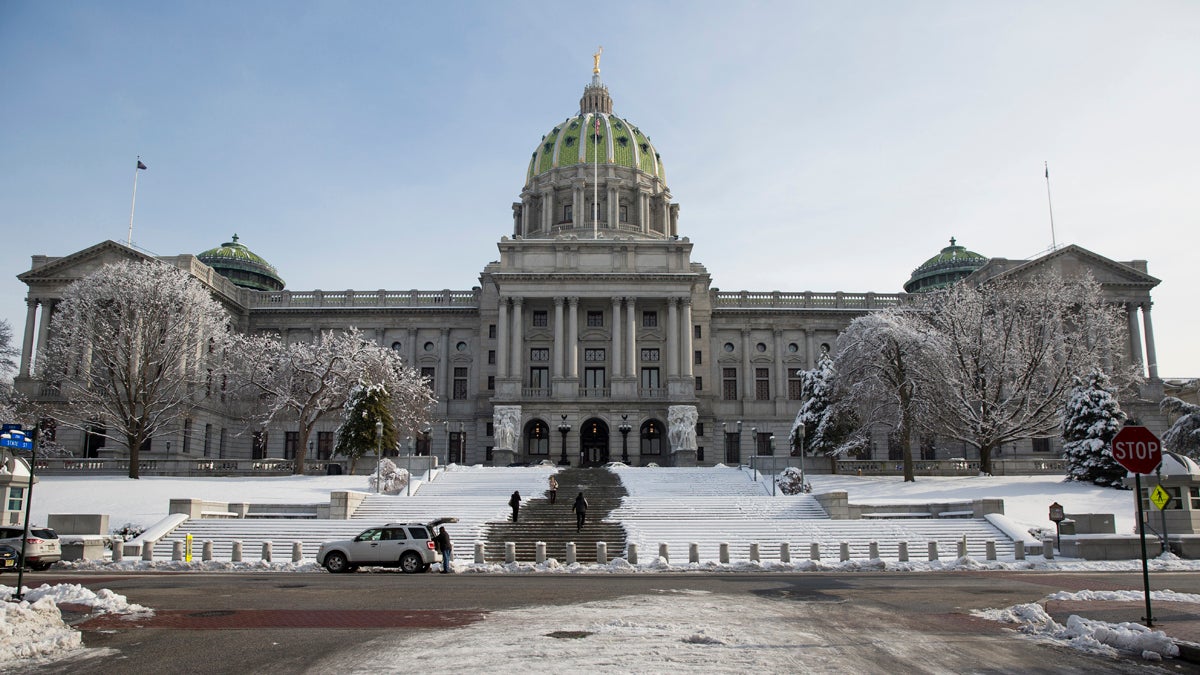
(811, 145)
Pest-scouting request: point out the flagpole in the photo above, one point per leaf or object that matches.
(1053, 240)
(137, 167)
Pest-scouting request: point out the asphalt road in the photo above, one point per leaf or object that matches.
(294, 623)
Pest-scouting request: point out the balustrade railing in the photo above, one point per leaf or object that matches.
(595, 392)
(381, 298)
(182, 467)
(807, 300)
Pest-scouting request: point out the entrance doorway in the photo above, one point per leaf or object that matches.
(593, 443)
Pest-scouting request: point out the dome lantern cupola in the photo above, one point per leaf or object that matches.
(953, 264)
(242, 266)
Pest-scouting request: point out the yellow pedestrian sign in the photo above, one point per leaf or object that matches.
(1160, 497)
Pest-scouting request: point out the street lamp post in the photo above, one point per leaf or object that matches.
(754, 451)
(378, 455)
(625, 429)
(564, 429)
(800, 437)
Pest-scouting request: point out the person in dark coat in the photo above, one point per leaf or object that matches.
(515, 502)
(580, 508)
(442, 540)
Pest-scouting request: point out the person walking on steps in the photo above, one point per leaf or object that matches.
(442, 540)
(580, 509)
(515, 502)
(553, 489)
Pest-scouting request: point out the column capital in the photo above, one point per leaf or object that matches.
(517, 300)
(573, 300)
(445, 330)
(745, 332)
(686, 300)
(558, 301)
(673, 301)
(617, 300)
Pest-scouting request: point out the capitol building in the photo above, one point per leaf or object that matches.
(593, 337)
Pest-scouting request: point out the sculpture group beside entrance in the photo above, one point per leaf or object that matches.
(506, 422)
(681, 423)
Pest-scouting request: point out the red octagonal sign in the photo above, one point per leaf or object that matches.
(1137, 449)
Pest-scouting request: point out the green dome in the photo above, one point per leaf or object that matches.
(576, 139)
(953, 264)
(242, 266)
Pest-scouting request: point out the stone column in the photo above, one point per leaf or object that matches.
(747, 369)
(631, 337)
(577, 207)
(643, 209)
(412, 348)
(517, 364)
(547, 209)
(672, 337)
(685, 337)
(1151, 354)
(1135, 335)
(808, 349)
(443, 387)
(665, 208)
(27, 345)
(616, 337)
(43, 333)
(780, 371)
(558, 337)
(612, 208)
(502, 339)
(573, 338)
(526, 207)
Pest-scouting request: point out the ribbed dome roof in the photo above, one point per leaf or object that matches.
(951, 265)
(242, 266)
(575, 140)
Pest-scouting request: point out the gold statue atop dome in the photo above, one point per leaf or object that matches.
(596, 60)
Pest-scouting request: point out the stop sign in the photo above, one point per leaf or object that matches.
(1137, 449)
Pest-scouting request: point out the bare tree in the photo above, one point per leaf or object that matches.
(8, 353)
(130, 350)
(1010, 352)
(305, 381)
(886, 366)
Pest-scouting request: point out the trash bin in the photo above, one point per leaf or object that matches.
(333, 469)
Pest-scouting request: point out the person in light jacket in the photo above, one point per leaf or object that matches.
(553, 491)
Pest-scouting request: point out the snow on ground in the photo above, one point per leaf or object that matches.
(33, 629)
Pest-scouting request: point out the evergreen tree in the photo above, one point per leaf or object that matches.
(826, 424)
(366, 405)
(1091, 418)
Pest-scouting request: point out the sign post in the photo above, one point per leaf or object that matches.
(1139, 451)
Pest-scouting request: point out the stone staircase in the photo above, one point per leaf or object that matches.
(554, 524)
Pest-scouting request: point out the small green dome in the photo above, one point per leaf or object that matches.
(948, 267)
(242, 266)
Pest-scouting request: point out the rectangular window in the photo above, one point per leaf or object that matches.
(649, 319)
(258, 446)
(492, 331)
(1041, 445)
(696, 332)
(595, 319)
(207, 440)
(491, 385)
(698, 358)
(325, 445)
(539, 378)
(593, 378)
(491, 357)
(594, 355)
(427, 374)
(650, 355)
(489, 429)
(539, 354)
(699, 383)
(16, 499)
(650, 379)
(729, 384)
(460, 383)
(762, 384)
(1194, 496)
(624, 213)
(187, 435)
(568, 213)
(221, 435)
(291, 442)
(795, 384)
(699, 429)
(762, 443)
(540, 318)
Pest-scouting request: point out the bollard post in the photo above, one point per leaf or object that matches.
(177, 550)
(873, 550)
(663, 553)
(723, 553)
(236, 554)
(933, 552)
(510, 552)
(479, 553)
(962, 547)
(601, 553)
(1018, 550)
(845, 551)
(785, 552)
(754, 557)
(570, 553)
(118, 551)
(693, 552)
(266, 551)
(631, 553)
(814, 551)
(990, 549)
(206, 550)
(539, 552)
(1048, 548)
(297, 551)
(902, 551)
(148, 551)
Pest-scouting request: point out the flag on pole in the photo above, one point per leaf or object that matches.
(1047, 169)
(140, 165)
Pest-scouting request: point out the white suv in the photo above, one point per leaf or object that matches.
(42, 549)
(408, 546)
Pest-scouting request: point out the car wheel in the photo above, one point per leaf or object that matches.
(336, 562)
(411, 563)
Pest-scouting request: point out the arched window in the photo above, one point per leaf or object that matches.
(652, 437)
(537, 438)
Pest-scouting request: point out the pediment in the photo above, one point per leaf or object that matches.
(1070, 261)
(79, 264)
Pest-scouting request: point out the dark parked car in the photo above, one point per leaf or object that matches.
(8, 558)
